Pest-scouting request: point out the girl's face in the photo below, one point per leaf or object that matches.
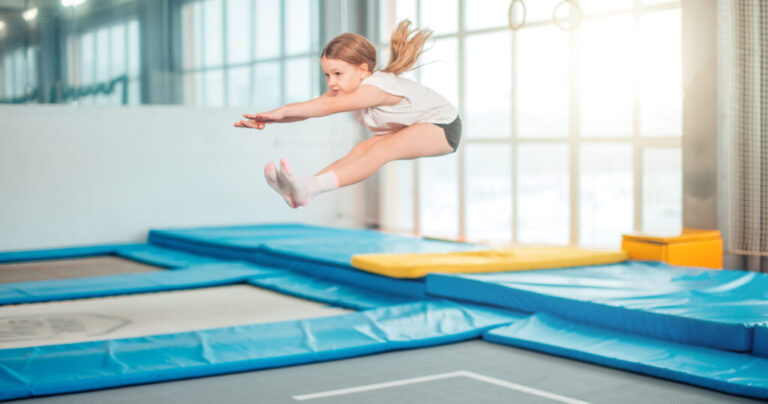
(342, 77)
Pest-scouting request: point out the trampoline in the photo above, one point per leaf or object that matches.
(249, 304)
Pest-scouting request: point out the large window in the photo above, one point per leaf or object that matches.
(259, 53)
(570, 137)
(97, 56)
(18, 80)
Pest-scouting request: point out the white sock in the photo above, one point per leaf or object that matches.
(270, 173)
(303, 189)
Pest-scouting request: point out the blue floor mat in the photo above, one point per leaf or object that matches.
(56, 369)
(760, 347)
(711, 308)
(318, 251)
(143, 282)
(729, 372)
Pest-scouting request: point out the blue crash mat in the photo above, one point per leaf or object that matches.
(760, 346)
(729, 372)
(58, 253)
(320, 251)
(329, 292)
(56, 369)
(142, 282)
(711, 308)
(164, 257)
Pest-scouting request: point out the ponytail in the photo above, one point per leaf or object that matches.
(404, 52)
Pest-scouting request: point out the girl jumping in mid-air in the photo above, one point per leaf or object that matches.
(407, 119)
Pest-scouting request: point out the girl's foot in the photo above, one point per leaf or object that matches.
(303, 189)
(274, 181)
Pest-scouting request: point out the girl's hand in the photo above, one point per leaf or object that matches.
(258, 121)
(276, 115)
(250, 124)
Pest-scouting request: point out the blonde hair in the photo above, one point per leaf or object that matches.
(405, 48)
(404, 52)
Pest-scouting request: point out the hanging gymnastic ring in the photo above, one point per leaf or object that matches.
(510, 13)
(574, 6)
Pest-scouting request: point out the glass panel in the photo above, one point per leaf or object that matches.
(606, 70)
(238, 31)
(398, 199)
(298, 26)
(20, 73)
(7, 76)
(661, 90)
(440, 70)
(200, 89)
(391, 12)
(214, 32)
(543, 194)
(239, 82)
(438, 194)
(662, 190)
(134, 61)
(267, 28)
(118, 50)
(190, 89)
(134, 92)
(488, 86)
(441, 16)
(116, 98)
(103, 67)
(488, 13)
(266, 86)
(541, 100)
(87, 60)
(190, 35)
(72, 60)
(541, 10)
(488, 191)
(652, 2)
(605, 198)
(214, 88)
(32, 68)
(597, 6)
(199, 32)
(299, 86)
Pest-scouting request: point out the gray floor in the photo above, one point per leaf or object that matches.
(69, 268)
(563, 377)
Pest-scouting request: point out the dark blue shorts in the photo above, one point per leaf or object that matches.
(452, 132)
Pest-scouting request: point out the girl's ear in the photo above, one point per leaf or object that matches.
(363, 67)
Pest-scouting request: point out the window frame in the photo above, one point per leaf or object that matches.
(574, 140)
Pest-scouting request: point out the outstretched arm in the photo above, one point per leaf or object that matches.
(363, 97)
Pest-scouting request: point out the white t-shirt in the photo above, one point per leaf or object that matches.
(419, 104)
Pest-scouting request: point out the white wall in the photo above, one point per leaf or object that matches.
(74, 176)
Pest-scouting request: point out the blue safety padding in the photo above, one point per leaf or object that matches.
(61, 253)
(142, 282)
(730, 372)
(164, 257)
(324, 244)
(412, 288)
(705, 307)
(329, 292)
(56, 369)
(347, 274)
(760, 345)
(319, 251)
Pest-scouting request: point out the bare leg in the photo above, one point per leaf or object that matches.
(419, 140)
(356, 151)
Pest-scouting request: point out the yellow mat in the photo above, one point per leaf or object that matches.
(512, 259)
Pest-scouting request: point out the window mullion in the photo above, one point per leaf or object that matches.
(637, 150)
(461, 160)
(574, 137)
